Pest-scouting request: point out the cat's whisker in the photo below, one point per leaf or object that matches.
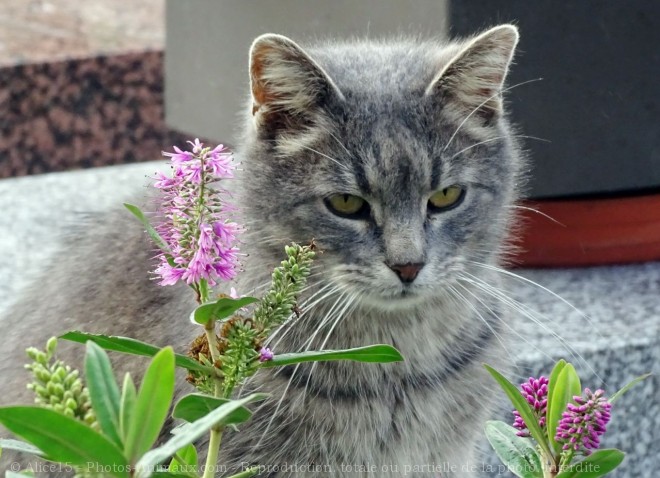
(290, 381)
(544, 289)
(497, 139)
(307, 307)
(536, 211)
(451, 138)
(343, 166)
(503, 322)
(348, 308)
(534, 316)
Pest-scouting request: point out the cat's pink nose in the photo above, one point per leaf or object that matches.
(407, 272)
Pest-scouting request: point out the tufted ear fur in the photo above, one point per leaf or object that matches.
(472, 80)
(287, 84)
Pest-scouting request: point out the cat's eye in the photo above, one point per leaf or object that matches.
(446, 198)
(347, 205)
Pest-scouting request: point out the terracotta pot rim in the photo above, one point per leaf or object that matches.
(588, 231)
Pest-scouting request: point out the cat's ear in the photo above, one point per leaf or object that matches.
(473, 78)
(287, 85)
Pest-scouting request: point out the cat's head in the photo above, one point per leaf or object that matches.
(396, 157)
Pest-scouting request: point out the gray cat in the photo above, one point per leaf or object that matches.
(397, 158)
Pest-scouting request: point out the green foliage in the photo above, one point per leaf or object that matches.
(220, 309)
(371, 353)
(287, 282)
(518, 454)
(628, 386)
(16, 445)
(103, 391)
(542, 456)
(599, 463)
(564, 385)
(151, 405)
(190, 433)
(57, 386)
(153, 234)
(184, 460)
(134, 347)
(194, 406)
(520, 404)
(64, 439)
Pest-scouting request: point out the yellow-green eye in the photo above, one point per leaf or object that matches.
(446, 198)
(347, 205)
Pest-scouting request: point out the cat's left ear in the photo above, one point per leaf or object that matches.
(287, 85)
(473, 78)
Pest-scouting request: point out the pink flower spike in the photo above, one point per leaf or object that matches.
(197, 146)
(179, 156)
(196, 220)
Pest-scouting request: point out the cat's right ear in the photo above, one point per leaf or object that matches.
(287, 85)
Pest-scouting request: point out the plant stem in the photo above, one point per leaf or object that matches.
(214, 449)
(216, 432)
(247, 473)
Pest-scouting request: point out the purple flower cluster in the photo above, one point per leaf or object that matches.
(584, 422)
(196, 225)
(535, 392)
(265, 354)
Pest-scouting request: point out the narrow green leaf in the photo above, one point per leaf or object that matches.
(191, 433)
(552, 383)
(131, 346)
(103, 391)
(158, 240)
(627, 387)
(184, 461)
(151, 406)
(520, 404)
(126, 405)
(565, 388)
(220, 309)
(518, 454)
(370, 353)
(196, 405)
(64, 439)
(599, 463)
(17, 445)
(13, 474)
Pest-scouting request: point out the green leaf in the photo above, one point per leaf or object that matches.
(126, 405)
(194, 406)
(552, 383)
(134, 347)
(151, 406)
(370, 353)
(520, 404)
(220, 309)
(184, 461)
(13, 474)
(189, 434)
(160, 242)
(517, 453)
(17, 445)
(64, 439)
(599, 463)
(627, 387)
(566, 386)
(103, 391)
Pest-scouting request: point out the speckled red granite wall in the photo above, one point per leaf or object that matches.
(82, 113)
